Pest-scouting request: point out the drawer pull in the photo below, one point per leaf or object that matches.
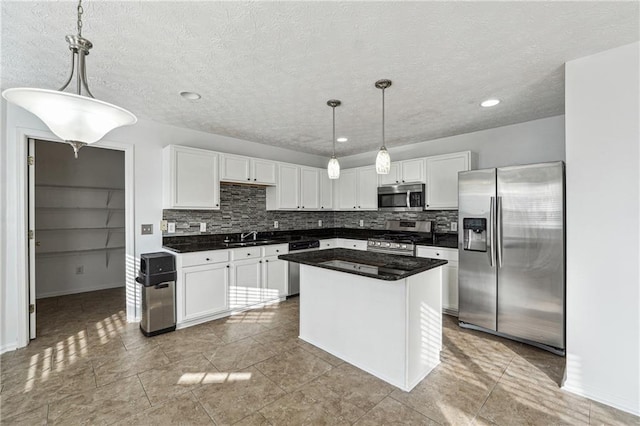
(267, 261)
(207, 259)
(277, 251)
(248, 254)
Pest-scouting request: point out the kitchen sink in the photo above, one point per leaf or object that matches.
(251, 243)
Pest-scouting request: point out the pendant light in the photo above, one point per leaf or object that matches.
(76, 119)
(383, 159)
(333, 168)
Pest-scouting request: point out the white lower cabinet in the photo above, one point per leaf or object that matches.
(449, 275)
(203, 285)
(245, 286)
(275, 273)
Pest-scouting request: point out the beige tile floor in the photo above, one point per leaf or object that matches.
(88, 366)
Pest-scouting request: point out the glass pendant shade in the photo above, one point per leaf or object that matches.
(71, 117)
(333, 168)
(383, 162)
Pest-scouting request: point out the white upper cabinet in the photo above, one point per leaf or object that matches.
(408, 171)
(357, 189)
(263, 171)
(236, 168)
(288, 189)
(190, 178)
(442, 179)
(367, 188)
(326, 191)
(309, 188)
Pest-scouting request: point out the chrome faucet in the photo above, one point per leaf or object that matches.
(246, 234)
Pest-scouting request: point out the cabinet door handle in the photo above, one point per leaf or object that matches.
(267, 261)
(227, 266)
(207, 259)
(260, 261)
(217, 205)
(248, 178)
(254, 179)
(277, 251)
(248, 254)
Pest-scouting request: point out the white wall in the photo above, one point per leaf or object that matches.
(603, 227)
(534, 141)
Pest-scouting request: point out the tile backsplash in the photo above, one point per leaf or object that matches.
(243, 209)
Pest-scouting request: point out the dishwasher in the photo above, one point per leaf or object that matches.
(294, 268)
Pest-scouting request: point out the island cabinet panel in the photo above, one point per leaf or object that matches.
(204, 291)
(391, 329)
(190, 178)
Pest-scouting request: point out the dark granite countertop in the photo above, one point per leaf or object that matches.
(195, 243)
(388, 267)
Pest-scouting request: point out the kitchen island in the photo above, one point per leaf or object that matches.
(379, 312)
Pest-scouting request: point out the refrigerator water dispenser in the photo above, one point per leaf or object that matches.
(475, 234)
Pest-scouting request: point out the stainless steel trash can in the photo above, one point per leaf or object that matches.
(158, 278)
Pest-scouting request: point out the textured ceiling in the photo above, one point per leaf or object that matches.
(266, 69)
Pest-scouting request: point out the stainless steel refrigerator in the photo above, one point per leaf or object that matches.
(512, 253)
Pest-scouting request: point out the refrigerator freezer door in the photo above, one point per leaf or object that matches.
(531, 252)
(477, 272)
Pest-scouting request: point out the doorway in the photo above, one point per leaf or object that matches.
(77, 254)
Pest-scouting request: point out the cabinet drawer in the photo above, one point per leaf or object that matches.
(246, 253)
(352, 244)
(276, 250)
(438, 253)
(204, 257)
(328, 244)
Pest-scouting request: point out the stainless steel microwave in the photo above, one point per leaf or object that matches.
(401, 198)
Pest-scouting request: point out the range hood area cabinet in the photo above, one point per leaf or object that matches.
(357, 189)
(190, 178)
(300, 188)
(240, 169)
(442, 179)
(408, 171)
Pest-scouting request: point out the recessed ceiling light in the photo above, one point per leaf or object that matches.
(342, 139)
(192, 96)
(489, 103)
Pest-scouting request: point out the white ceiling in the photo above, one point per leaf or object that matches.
(266, 69)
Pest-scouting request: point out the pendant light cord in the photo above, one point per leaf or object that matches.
(333, 108)
(383, 141)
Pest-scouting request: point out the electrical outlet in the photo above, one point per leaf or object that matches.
(276, 224)
(454, 226)
(320, 223)
(147, 229)
(203, 226)
(163, 225)
(361, 222)
(171, 227)
(79, 270)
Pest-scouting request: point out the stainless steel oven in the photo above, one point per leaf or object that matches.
(401, 198)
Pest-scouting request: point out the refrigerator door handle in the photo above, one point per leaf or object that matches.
(499, 230)
(492, 221)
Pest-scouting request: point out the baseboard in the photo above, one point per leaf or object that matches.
(593, 394)
(8, 348)
(79, 290)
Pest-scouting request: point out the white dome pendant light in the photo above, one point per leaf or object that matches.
(76, 119)
(383, 159)
(333, 168)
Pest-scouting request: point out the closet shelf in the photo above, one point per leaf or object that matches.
(98, 188)
(114, 229)
(79, 208)
(68, 252)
